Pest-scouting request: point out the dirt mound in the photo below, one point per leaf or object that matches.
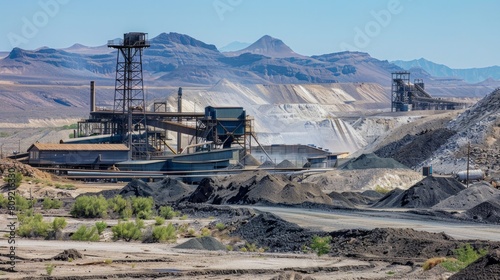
(202, 243)
(391, 242)
(388, 200)
(426, 193)
(26, 170)
(340, 200)
(286, 164)
(256, 187)
(68, 254)
(368, 161)
(470, 197)
(488, 211)
(357, 198)
(267, 164)
(291, 275)
(165, 191)
(268, 230)
(412, 150)
(485, 268)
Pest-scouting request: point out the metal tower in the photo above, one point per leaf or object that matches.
(401, 91)
(129, 105)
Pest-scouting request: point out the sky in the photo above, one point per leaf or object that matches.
(457, 33)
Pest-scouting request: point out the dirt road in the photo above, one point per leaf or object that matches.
(343, 219)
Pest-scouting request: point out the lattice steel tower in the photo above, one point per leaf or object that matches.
(129, 105)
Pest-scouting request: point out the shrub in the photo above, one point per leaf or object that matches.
(183, 217)
(4, 202)
(127, 231)
(51, 203)
(84, 233)
(432, 262)
(159, 221)
(121, 206)
(321, 245)
(18, 179)
(465, 255)
(49, 268)
(142, 207)
(220, 226)
(33, 226)
(165, 233)
(22, 203)
(101, 226)
(90, 207)
(205, 232)
(58, 224)
(381, 189)
(167, 212)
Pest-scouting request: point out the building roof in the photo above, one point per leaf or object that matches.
(78, 147)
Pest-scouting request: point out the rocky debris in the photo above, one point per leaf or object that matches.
(165, 191)
(488, 211)
(286, 164)
(202, 243)
(368, 161)
(222, 212)
(68, 254)
(485, 268)
(26, 170)
(426, 193)
(412, 150)
(268, 230)
(469, 197)
(291, 275)
(391, 243)
(389, 199)
(256, 187)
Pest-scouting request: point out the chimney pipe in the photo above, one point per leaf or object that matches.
(179, 110)
(92, 96)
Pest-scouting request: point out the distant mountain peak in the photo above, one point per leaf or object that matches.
(268, 46)
(182, 39)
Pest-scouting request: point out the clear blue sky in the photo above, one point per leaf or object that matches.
(458, 33)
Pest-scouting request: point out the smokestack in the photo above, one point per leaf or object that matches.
(92, 96)
(179, 110)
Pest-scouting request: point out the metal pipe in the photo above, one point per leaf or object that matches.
(92, 96)
(179, 110)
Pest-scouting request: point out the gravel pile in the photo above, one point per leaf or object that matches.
(165, 191)
(412, 150)
(268, 230)
(250, 160)
(202, 243)
(267, 164)
(361, 199)
(341, 200)
(469, 198)
(256, 187)
(488, 211)
(426, 193)
(485, 268)
(286, 164)
(368, 161)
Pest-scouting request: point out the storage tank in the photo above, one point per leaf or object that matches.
(474, 175)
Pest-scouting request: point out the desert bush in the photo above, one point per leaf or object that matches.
(205, 232)
(143, 207)
(90, 207)
(59, 224)
(22, 203)
(49, 268)
(127, 231)
(18, 179)
(432, 262)
(159, 221)
(33, 226)
(83, 233)
(167, 212)
(220, 226)
(465, 255)
(121, 206)
(381, 189)
(4, 202)
(321, 245)
(101, 226)
(164, 233)
(49, 203)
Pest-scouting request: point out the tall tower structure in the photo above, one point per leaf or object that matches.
(401, 92)
(129, 105)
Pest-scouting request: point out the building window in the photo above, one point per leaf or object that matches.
(34, 154)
